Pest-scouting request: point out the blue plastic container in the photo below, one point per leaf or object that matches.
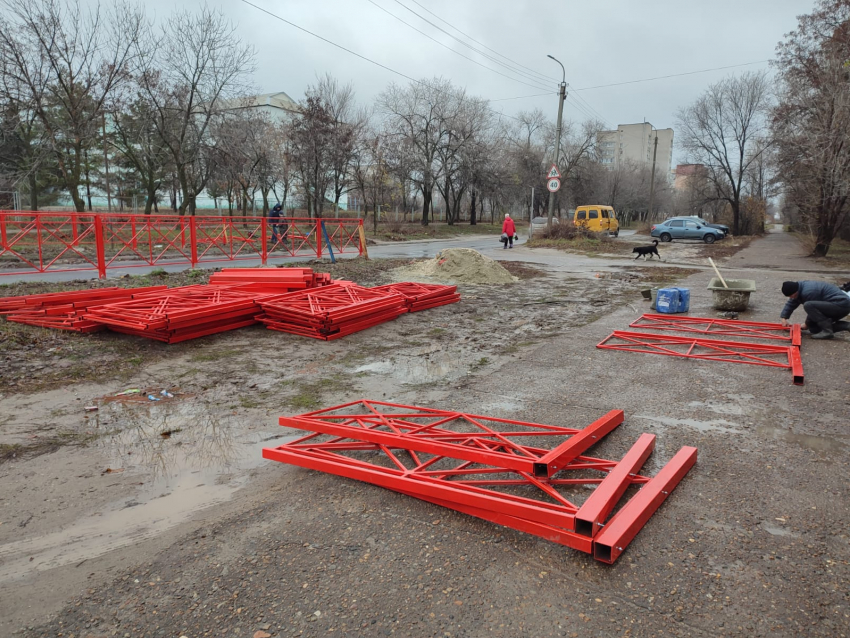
(667, 301)
(684, 299)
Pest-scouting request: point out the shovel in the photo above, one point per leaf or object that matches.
(722, 281)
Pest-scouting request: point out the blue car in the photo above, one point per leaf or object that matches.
(686, 228)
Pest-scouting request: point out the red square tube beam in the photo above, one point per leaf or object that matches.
(569, 450)
(423, 486)
(592, 514)
(625, 524)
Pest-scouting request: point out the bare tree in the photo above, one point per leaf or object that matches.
(416, 119)
(192, 73)
(812, 118)
(720, 131)
(137, 139)
(64, 62)
(312, 134)
(345, 123)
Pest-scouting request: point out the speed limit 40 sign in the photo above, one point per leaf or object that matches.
(553, 184)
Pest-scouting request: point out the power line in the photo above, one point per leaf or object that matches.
(542, 76)
(524, 97)
(596, 114)
(354, 53)
(674, 75)
(389, 13)
(466, 35)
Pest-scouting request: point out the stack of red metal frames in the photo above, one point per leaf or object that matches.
(66, 310)
(492, 468)
(178, 314)
(270, 280)
(332, 311)
(423, 296)
(706, 349)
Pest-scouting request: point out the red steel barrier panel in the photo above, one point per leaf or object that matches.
(38, 242)
(759, 354)
(35, 242)
(467, 463)
(720, 327)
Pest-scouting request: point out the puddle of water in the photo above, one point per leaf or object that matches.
(816, 443)
(718, 407)
(433, 366)
(718, 425)
(776, 530)
(205, 458)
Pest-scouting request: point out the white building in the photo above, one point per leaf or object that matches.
(634, 143)
(278, 106)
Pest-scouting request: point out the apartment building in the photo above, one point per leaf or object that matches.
(634, 143)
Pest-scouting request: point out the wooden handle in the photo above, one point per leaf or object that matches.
(722, 281)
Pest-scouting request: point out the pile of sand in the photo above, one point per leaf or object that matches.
(457, 265)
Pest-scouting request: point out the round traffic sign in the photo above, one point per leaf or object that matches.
(553, 185)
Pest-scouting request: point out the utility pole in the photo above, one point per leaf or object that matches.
(562, 94)
(531, 215)
(652, 179)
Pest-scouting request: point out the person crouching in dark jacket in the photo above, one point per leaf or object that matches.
(825, 305)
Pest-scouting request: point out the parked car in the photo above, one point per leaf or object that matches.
(598, 219)
(685, 228)
(700, 220)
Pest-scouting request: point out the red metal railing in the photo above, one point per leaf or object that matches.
(38, 242)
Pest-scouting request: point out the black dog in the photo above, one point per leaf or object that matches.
(647, 250)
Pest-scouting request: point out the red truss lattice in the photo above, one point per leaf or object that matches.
(66, 310)
(423, 296)
(180, 313)
(759, 354)
(513, 473)
(332, 311)
(722, 327)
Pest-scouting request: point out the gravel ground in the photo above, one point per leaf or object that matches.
(752, 543)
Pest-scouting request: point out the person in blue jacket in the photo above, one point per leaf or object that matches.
(274, 222)
(825, 305)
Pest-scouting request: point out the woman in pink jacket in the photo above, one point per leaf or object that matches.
(508, 229)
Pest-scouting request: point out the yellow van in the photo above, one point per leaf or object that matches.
(598, 219)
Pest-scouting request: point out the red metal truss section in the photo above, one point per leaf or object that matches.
(331, 311)
(423, 296)
(465, 481)
(471, 437)
(720, 327)
(179, 313)
(787, 357)
(65, 310)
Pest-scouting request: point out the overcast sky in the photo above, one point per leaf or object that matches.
(598, 42)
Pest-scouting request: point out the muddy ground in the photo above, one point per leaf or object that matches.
(94, 481)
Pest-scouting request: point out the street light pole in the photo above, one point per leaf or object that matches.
(562, 94)
(652, 179)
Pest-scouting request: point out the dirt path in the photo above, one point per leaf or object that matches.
(87, 493)
(753, 542)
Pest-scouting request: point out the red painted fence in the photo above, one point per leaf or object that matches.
(37, 242)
